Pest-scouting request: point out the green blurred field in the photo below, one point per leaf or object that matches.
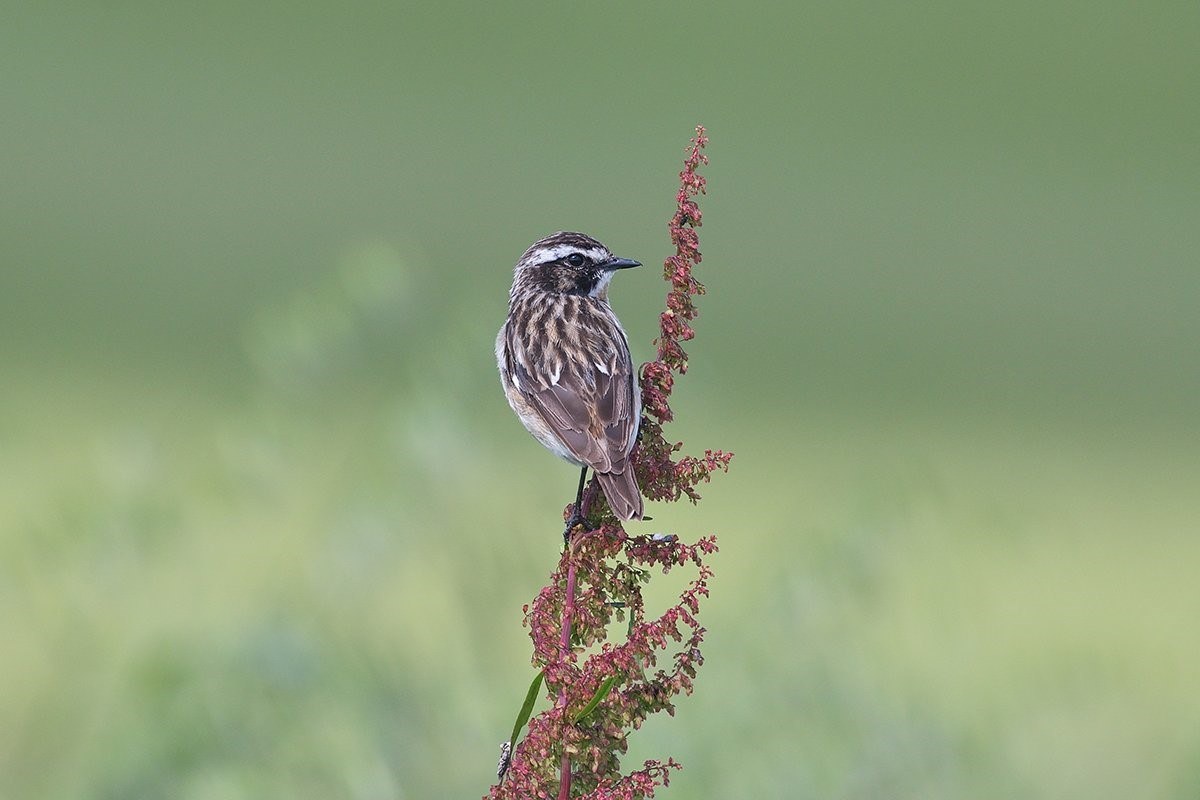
(266, 523)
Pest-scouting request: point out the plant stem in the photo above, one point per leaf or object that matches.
(564, 642)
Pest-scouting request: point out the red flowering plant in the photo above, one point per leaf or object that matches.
(602, 689)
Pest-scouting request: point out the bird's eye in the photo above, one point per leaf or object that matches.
(575, 260)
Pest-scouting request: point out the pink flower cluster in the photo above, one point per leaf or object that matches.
(607, 569)
(661, 477)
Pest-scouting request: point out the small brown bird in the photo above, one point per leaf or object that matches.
(565, 366)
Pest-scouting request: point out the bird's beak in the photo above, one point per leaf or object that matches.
(619, 263)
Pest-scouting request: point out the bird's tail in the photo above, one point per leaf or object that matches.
(622, 493)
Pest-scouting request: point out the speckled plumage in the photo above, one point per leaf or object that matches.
(564, 362)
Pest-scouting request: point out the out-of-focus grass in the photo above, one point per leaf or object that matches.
(280, 600)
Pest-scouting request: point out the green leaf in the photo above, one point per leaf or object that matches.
(526, 708)
(600, 694)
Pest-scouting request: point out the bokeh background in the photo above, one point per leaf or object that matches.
(266, 522)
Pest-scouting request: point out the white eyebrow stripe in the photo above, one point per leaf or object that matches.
(563, 250)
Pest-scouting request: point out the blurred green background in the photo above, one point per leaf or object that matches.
(266, 522)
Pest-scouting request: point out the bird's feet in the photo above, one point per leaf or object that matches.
(576, 520)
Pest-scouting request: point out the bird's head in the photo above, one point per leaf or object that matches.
(568, 263)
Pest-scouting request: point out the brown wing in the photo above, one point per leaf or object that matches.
(592, 413)
(576, 375)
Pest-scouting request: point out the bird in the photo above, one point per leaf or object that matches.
(565, 366)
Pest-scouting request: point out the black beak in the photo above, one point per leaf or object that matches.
(618, 263)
